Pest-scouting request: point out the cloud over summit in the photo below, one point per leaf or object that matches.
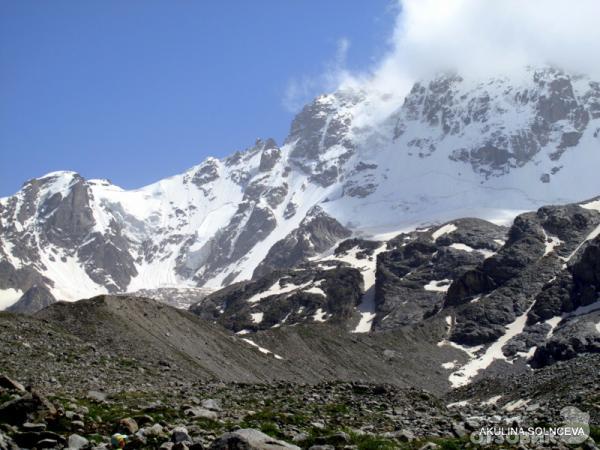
(475, 38)
(493, 37)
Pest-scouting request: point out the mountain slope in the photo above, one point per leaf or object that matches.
(119, 343)
(504, 298)
(360, 161)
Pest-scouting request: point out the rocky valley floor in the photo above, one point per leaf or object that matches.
(329, 415)
(92, 369)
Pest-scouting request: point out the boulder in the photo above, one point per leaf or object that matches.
(128, 426)
(249, 439)
(77, 442)
(180, 434)
(45, 439)
(97, 396)
(31, 406)
(201, 413)
(212, 404)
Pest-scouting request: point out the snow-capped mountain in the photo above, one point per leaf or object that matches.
(355, 162)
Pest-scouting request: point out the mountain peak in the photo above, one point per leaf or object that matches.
(454, 147)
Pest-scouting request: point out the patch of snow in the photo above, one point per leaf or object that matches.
(366, 322)
(464, 247)
(242, 332)
(449, 365)
(528, 354)
(277, 289)
(71, 281)
(284, 320)
(319, 315)
(316, 289)
(595, 232)
(553, 322)
(460, 404)
(367, 267)
(438, 285)
(446, 229)
(8, 246)
(595, 205)
(257, 317)
(261, 349)
(486, 253)
(471, 351)
(551, 243)
(580, 311)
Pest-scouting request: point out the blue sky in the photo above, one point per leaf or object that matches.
(138, 90)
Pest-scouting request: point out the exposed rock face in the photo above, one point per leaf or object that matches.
(418, 269)
(552, 96)
(522, 276)
(52, 222)
(572, 338)
(270, 155)
(402, 281)
(317, 233)
(283, 298)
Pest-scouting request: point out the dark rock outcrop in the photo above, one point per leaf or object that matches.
(317, 233)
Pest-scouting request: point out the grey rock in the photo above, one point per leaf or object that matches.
(201, 413)
(128, 426)
(250, 439)
(459, 430)
(180, 434)
(211, 404)
(36, 427)
(77, 442)
(97, 396)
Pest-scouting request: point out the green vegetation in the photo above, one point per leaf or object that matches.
(368, 442)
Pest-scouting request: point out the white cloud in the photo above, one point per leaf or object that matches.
(489, 37)
(476, 38)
